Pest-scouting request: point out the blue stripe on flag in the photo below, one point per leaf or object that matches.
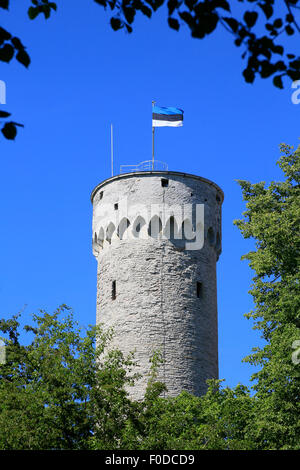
(168, 111)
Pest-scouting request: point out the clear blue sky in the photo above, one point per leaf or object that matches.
(84, 76)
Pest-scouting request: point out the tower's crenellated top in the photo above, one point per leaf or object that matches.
(155, 173)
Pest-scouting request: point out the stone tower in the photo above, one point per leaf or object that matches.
(157, 238)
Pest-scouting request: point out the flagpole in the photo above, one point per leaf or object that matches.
(112, 149)
(153, 128)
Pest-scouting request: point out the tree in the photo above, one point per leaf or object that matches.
(60, 390)
(272, 218)
(256, 29)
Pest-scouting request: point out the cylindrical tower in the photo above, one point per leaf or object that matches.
(157, 237)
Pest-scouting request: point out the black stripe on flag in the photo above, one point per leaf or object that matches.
(167, 117)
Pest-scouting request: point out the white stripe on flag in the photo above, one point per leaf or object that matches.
(158, 123)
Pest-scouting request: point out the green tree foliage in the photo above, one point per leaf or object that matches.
(256, 26)
(272, 219)
(61, 390)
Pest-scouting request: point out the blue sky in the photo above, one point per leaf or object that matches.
(84, 76)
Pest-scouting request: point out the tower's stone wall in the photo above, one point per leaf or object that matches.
(155, 293)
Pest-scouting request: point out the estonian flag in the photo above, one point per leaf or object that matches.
(166, 117)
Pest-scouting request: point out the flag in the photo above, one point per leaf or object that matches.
(166, 117)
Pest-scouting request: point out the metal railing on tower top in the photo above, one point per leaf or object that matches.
(147, 165)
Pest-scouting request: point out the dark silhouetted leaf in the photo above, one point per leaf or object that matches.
(267, 9)
(33, 12)
(293, 74)
(173, 4)
(23, 58)
(173, 23)
(280, 65)
(4, 35)
(232, 23)
(129, 28)
(249, 75)
(250, 18)
(221, 4)
(146, 10)
(189, 3)
(211, 23)
(187, 17)
(9, 131)
(278, 49)
(289, 30)
(17, 43)
(116, 23)
(277, 80)
(4, 114)
(295, 64)
(6, 53)
(278, 23)
(129, 14)
(46, 11)
(4, 4)
(267, 69)
(101, 2)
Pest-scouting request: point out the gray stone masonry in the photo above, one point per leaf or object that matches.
(157, 294)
